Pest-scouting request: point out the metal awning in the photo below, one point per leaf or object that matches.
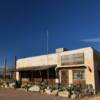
(72, 66)
(36, 68)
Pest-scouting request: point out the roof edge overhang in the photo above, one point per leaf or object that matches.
(72, 66)
(34, 68)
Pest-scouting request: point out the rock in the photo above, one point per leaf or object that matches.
(6, 86)
(12, 85)
(1, 85)
(34, 88)
(54, 92)
(41, 91)
(29, 85)
(81, 95)
(64, 93)
(24, 85)
(48, 91)
(74, 96)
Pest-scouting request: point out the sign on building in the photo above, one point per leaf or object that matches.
(72, 59)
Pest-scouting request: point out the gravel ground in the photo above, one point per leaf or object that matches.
(11, 94)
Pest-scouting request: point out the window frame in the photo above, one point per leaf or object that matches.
(81, 72)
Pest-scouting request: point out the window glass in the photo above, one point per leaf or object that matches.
(78, 74)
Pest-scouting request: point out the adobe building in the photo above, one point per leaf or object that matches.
(80, 66)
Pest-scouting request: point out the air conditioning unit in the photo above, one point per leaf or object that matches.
(59, 50)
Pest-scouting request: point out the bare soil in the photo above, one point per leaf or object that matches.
(11, 94)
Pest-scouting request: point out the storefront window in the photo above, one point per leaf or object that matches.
(78, 74)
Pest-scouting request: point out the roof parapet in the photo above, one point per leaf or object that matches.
(59, 50)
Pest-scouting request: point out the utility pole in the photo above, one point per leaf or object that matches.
(14, 71)
(5, 69)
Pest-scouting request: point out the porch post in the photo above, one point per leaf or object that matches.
(48, 76)
(14, 72)
(57, 78)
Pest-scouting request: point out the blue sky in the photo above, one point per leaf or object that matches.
(23, 26)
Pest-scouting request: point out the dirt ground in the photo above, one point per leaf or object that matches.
(97, 97)
(11, 94)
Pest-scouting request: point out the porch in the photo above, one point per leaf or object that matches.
(36, 75)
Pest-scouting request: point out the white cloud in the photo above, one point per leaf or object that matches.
(91, 40)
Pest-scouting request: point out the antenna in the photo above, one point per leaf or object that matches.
(47, 41)
(47, 57)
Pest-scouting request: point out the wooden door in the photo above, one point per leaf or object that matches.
(64, 77)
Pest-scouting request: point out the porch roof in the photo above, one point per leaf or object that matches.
(72, 66)
(36, 68)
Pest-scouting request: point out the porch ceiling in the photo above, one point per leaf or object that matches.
(36, 68)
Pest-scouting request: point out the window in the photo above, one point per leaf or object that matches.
(78, 74)
(52, 73)
(25, 74)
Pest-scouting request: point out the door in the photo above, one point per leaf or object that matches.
(64, 77)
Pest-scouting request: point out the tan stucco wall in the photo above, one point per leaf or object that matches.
(70, 76)
(97, 69)
(89, 67)
(51, 59)
(88, 63)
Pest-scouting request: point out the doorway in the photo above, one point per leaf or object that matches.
(64, 77)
